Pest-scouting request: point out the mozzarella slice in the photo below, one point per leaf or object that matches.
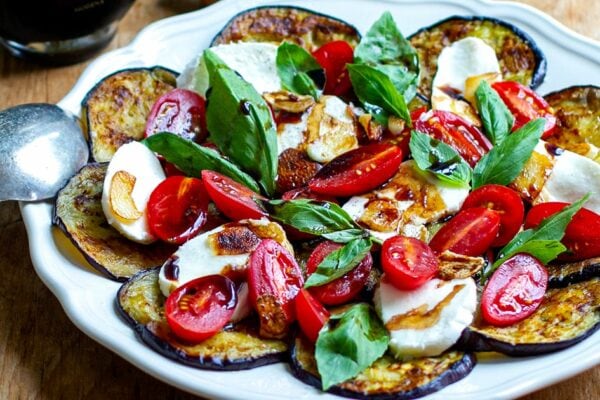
(292, 135)
(137, 161)
(428, 320)
(255, 62)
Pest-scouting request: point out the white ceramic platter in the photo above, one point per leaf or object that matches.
(89, 299)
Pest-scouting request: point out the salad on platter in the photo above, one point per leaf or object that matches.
(374, 210)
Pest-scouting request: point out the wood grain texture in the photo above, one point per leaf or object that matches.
(42, 354)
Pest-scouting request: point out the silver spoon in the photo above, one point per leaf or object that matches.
(41, 147)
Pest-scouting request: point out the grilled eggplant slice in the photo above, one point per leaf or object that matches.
(561, 275)
(519, 57)
(578, 111)
(114, 112)
(140, 301)
(565, 317)
(387, 378)
(78, 213)
(276, 24)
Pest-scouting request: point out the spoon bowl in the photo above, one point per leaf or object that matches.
(41, 147)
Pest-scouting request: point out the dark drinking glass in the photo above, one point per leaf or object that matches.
(59, 31)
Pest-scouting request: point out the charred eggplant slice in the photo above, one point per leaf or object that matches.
(578, 111)
(387, 378)
(114, 112)
(140, 301)
(276, 24)
(78, 213)
(519, 57)
(561, 275)
(566, 317)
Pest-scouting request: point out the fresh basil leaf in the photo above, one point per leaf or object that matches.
(496, 117)
(295, 66)
(440, 159)
(213, 62)
(374, 88)
(339, 262)
(504, 162)
(240, 124)
(349, 343)
(543, 242)
(384, 48)
(309, 216)
(346, 235)
(192, 158)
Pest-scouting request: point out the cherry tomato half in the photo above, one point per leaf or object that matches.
(346, 287)
(456, 132)
(357, 171)
(333, 57)
(506, 202)
(470, 232)
(177, 209)
(181, 112)
(201, 307)
(233, 199)
(311, 314)
(408, 262)
(582, 236)
(514, 291)
(274, 280)
(525, 105)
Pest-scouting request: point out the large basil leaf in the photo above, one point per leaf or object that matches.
(496, 117)
(296, 67)
(349, 343)
(192, 158)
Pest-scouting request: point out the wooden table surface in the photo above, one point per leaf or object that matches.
(42, 354)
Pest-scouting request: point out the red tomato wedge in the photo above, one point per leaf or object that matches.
(201, 307)
(311, 314)
(181, 112)
(333, 57)
(582, 236)
(456, 132)
(177, 209)
(514, 291)
(526, 105)
(346, 287)
(408, 262)
(274, 280)
(470, 232)
(233, 199)
(506, 202)
(357, 171)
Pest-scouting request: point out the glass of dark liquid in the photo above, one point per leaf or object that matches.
(59, 31)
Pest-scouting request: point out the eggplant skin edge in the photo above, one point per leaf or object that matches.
(585, 270)
(455, 373)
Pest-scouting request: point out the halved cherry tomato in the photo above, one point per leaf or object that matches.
(346, 287)
(525, 105)
(181, 112)
(408, 262)
(177, 209)
(311, 314)
(233, 199)
(357, 171)
(470, 232)
(582, 236)
(514, 291)
(201, 307)
(274, 280)
(506, 202)
(333, 57)
(456, 132)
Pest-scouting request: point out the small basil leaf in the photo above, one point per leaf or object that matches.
(339, 262)
(349, 343)
(375, 88)
(309, 216)
(192, 158)
(345, 236)
(240, 124)
(295, 66)
(504, 162)
(496, 117)
(437, 157)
